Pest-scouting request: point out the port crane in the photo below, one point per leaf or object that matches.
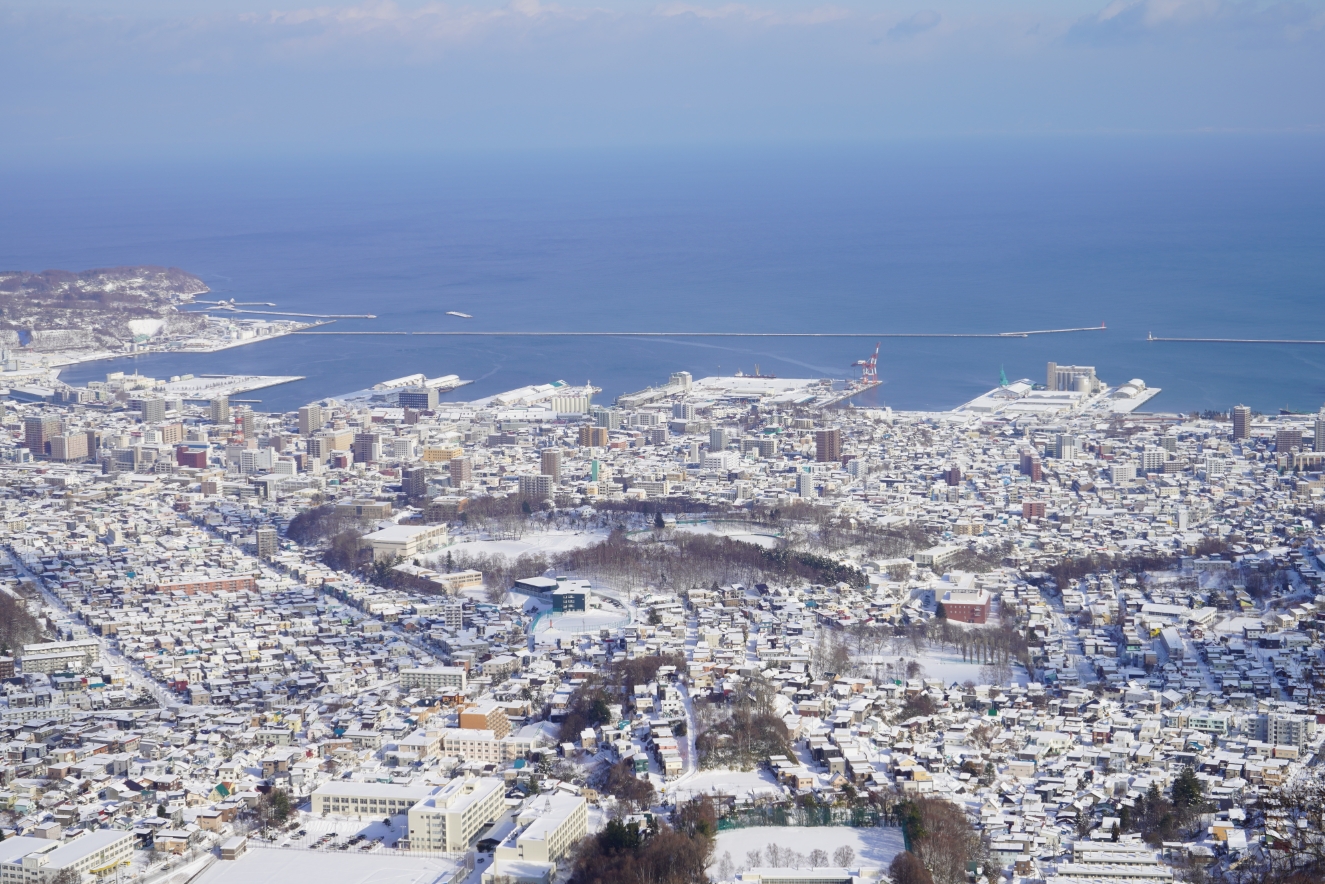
(869, 368)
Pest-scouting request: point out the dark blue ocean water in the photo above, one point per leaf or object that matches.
(1194, 236)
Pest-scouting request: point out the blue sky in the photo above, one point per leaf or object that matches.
(248, 76)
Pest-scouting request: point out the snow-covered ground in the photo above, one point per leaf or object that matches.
(734, 530)
(531, 543)
(554, 626)
(946, 664)
(348, 826)
(874, 847)
(264, 865)
(737, 783)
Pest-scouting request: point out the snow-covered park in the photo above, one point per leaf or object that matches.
(870, 847)
(531, 543)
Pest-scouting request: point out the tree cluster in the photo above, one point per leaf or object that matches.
(629, 853)
(941, 837)
(1162, 818)
(17, 625)
(743, 733)
(620, 782)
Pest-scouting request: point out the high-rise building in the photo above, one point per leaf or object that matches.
(220, 410)
(804, 485)
(719, 438)
(1318, 444)
(593, 437)
(1065, 446)
(1241, 422)
(38, 433)
(683, 411)
(414, 482)
(268, 542)
(953, 476)
(311, 419)
(538, 487)
(608, 418)
(550, 464)
(462, 470)
(152, 409)
(828, 445)
(1287, 439)
(70, 448)
(367, 447)
(248, 423)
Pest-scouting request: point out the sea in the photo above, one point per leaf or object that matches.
(1198, 235)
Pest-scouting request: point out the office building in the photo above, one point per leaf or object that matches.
(367, 447)
(450, 818)
(1287, 439)
(220, 408)
(536, 487)
(418, 398)
(311, 419)
(828, 445)
(441, 453)
(550, 464)
(461, 470)
(69, 449)
(38, 433)
(321, 445)
(683, 411)
(1241, 422)
(268, 542)
(719, 438)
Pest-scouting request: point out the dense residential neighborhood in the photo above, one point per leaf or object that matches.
(1041, 637)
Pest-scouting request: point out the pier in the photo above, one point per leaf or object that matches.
(690, 334)
(1233, 340)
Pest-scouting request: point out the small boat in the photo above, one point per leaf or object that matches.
(458, 313)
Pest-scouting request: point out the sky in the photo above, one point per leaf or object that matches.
(99, 78)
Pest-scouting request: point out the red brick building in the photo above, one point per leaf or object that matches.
(967, 605)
